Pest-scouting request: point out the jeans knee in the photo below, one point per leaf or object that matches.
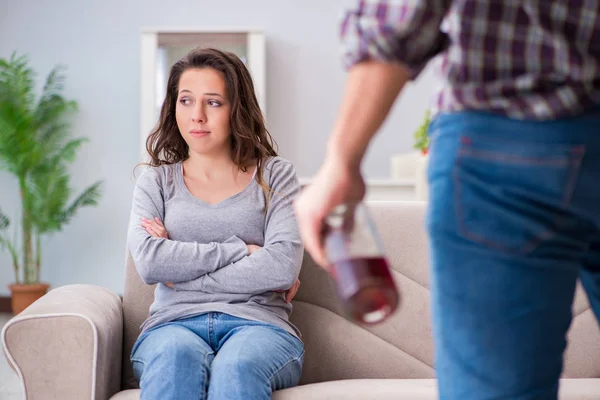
(180, 352)
(240, 367)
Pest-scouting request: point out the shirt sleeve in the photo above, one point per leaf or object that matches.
(163, 260)
(404, 31)
(276, 265)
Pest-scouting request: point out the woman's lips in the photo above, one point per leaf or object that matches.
(199, 132)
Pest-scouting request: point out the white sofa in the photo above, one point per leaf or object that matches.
(74, 342)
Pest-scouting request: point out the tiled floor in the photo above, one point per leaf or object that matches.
(10, 387)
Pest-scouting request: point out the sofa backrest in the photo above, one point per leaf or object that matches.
(137, 298)
(398, 348)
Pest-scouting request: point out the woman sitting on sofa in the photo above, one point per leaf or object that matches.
(219, 325)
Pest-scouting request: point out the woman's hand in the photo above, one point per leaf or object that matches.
(252, 248)
(291, 292)
(155, 228)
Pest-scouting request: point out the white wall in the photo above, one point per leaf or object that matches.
(99, 42)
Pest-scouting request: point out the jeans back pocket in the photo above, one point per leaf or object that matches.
(511, 196)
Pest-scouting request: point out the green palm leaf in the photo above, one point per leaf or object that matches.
(4, 221)
(36, 147)
(6, 243)
(89, 197)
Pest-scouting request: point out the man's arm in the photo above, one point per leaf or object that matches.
(386, 43)
(163, 260)
(371, 89)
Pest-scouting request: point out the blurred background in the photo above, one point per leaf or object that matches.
(117, 55)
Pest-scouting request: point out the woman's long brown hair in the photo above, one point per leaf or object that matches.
(250, 141)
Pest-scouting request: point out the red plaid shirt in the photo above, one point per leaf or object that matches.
(522, 58)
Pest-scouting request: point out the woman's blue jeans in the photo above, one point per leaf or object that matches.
(216, 356)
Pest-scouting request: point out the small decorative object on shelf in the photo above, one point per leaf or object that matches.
(421, 136)
(422, 144)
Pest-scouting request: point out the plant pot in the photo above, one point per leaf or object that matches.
(22, 296)
(421, 186)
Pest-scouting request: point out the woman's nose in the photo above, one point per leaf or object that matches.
(199, 116)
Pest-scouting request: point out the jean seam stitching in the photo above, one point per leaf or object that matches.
(493, 156)
(205, 376)
(143, 366)
(210, 331)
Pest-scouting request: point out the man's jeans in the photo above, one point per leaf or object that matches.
(514, 220)
(216, 356)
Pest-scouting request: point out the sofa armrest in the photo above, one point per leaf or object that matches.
(68, 344)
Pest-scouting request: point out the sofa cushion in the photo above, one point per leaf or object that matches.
(131, 394)
(358, 389)
(397, 389)
(363, 389)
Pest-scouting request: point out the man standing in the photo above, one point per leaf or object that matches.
(514, 212)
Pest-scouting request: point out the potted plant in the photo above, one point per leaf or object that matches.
(421, 136)
(36, 147)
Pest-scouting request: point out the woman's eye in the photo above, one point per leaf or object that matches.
(185, 101)
(214, 103)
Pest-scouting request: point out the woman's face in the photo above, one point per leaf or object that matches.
(202, 111)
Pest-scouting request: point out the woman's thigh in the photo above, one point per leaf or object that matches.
(264, 357)
(170, 348)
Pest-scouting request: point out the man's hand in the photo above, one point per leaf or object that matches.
(334, 184)
(371, 89)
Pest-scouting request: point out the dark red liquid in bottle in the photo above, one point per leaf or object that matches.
(366, 289)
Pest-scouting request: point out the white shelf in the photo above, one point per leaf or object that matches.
(383, 189)
(377, 182)
(202, 29)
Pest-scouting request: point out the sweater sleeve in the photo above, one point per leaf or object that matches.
(276, 265)
(163, 260)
